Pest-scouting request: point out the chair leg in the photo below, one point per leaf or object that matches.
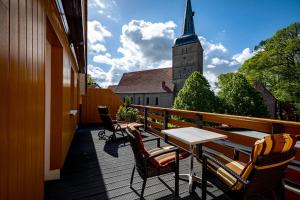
(143, 188)
(123, 137)
(132, 175)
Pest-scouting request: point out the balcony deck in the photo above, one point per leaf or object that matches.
(95, 169)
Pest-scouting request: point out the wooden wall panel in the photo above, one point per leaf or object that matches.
(4, 72)
(56, 106)
(22, 116)
(96, 97)
(22, 81)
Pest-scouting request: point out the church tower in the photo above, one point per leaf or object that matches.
(187, 53)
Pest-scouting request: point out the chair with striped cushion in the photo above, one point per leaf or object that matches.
(259, 178)
(153, 162)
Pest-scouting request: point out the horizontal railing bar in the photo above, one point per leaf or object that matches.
(251, 123)
(157, 117)
(171, 111)
(156, 125)
(181, 123)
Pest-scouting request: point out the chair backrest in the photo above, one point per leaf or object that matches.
(137, 146)
(105, 118)
(269, 159)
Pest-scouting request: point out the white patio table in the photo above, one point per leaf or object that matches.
(193, 137)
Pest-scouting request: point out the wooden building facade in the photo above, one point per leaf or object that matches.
(40, 60)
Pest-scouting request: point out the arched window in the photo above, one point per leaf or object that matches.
(156, 101)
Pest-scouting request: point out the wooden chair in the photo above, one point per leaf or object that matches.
(260, 178)
(111, 125)
(153, 162)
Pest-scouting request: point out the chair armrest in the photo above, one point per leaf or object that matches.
(227, 169)
(153, 139)
(174, 149)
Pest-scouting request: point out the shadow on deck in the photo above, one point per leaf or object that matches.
(95, 169)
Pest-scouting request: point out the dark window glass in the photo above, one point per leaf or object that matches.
(147, 101)
(156, 101)
(139, 100)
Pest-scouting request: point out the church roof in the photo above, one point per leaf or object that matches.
(113, 87)
(148, 81)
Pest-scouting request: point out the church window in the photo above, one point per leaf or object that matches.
(156, 101)
(147, 101)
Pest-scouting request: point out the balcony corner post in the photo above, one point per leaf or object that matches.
(199, 121)
(166, 119)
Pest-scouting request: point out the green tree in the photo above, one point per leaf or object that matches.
(239, 96)
(277, 65)
(90, 80)
(195, 95)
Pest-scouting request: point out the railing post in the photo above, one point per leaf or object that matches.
(166, 119)
(145, 118)
(198, 120)
(277, 128)
(199, 124)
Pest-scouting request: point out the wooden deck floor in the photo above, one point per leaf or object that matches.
(95, 169)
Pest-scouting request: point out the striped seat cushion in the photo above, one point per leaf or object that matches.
(165, 159)
(270, 145)
(236, 166)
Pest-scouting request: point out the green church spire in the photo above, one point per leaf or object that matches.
(189, 28)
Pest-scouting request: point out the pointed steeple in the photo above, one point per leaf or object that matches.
(189, 35)
(189, 28)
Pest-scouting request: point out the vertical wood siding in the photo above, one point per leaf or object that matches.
(22, 104)
(98, 97)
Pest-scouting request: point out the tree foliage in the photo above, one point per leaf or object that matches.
(277, 65)
(196, 95)
(90, 80)
(239, 96)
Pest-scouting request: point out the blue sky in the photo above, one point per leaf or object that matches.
(132, 35)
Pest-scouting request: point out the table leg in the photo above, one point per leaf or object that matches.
(191, 169)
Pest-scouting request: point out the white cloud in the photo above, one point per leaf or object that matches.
(104, 59)
(211, 47)
(144, 45)
(211, 77)
(218, 61)
(240, 58)
(211, 66)
(99, 75)
(99, 3)
(106, 8)
(97, 48)
(97, 32)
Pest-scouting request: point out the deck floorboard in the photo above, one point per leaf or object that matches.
(96, 169)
